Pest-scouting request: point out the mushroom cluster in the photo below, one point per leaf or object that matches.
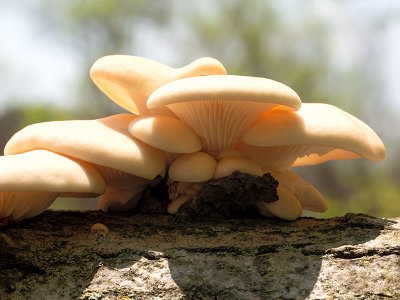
(193, 125)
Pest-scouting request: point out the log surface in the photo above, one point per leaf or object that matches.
(57, 256)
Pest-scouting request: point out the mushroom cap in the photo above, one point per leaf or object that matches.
(287, 207)
(230, 164)
(42, 170)
(282, 158)
(165, 133)
(193, 167)
(105, 142)
(24, 204)
(129, 80)
(331, 132)
(309, 197)
(225, 88)
(220, 108)
(31, 181)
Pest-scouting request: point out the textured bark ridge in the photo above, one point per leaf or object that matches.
(57, 256)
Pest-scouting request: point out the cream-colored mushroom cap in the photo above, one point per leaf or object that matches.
(220, 108)
(29, 182)
(105, 142)
(193, 167)
(325, 131)
(228, 165)
(129, 80)
(224, 87)
(309, 197)
(287, 207)
(165, 133)
(42, 170)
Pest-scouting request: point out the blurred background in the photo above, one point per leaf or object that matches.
(346, 53)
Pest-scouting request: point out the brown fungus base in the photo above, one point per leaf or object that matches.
(234, 196)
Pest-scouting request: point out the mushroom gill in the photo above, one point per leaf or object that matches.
(220, 108)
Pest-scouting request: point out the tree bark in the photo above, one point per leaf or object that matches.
(57, 256)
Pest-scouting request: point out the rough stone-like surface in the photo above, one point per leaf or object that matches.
(57, 256)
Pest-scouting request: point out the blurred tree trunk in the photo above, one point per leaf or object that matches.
(56, 255)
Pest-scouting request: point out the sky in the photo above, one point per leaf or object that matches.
(35, 67)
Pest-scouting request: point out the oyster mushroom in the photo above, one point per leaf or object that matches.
(129, 80)
(31, 181)
(204, 129)
(127, 164)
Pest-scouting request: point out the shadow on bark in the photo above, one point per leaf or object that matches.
(55, 255)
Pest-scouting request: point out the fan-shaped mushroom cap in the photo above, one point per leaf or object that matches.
(29, 182)
(220, 108)
(341, 135)
(228, 165)
(129, 80)
(310, 198)
(105, 142)
(282, 158)
(193, 167)
(165, 133)
(287, 207)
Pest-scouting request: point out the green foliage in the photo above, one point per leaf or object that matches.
(36, 114)
(377, 197)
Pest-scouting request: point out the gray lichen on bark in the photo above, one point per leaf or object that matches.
(57, 256)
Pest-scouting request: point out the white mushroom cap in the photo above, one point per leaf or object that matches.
(29, 182)
(129, 80)
(341, 135)
(105, 142)
(165, 133)
(193, 167)
(220, 108)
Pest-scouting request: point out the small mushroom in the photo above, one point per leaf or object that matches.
(129, 80)
(230, 164)
(193, 167)
(310, 198)
(287, 207)
(165, 133)
(31, 181)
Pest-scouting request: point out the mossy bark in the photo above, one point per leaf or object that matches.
(57, 256)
